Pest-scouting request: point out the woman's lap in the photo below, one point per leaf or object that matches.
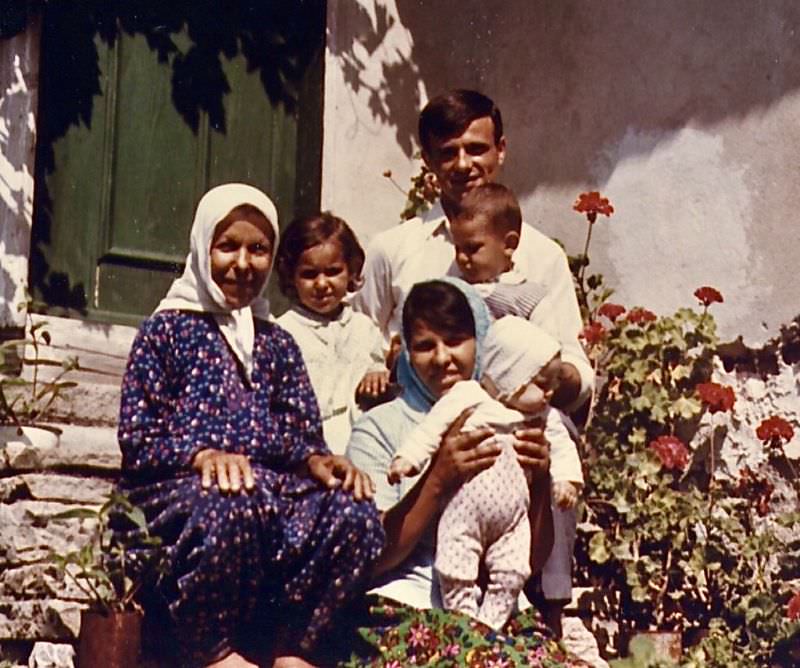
(315, 544)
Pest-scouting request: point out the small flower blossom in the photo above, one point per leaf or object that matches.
(611, 311)
(591, 204)
(671, 451)
(718, 398)
(639, 316)
(773, 429)
(708, 295)
(593, 333)
(451, 650)
(793, 607)
(419, 635)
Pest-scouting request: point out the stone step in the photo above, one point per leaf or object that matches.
(78, 447)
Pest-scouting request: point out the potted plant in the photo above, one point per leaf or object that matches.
(24, 402)
(110, 569)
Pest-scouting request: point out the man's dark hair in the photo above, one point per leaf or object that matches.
(497, 204)
(449, 114)
(442, 307)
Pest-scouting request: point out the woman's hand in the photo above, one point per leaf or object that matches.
(533, 450)
(232, 472)
(463, 455)
(337, 471)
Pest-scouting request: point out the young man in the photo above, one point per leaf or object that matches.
(461, 133)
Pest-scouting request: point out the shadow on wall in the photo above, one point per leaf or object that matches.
(193, 38)
(572, 76)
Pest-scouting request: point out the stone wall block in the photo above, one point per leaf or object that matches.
(40, 620)
(29, 532)
(55, 487)
(38, 581)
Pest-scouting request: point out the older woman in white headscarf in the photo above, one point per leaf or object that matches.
(266, 533)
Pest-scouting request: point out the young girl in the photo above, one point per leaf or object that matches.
(319, 262)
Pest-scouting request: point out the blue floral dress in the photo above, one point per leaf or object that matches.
(290, 552)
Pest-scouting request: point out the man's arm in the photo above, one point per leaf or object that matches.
(559, 314)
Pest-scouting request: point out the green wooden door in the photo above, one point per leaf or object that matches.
(133, 130)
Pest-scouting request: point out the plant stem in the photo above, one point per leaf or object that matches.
(584, 264)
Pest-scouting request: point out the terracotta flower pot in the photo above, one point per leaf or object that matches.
(109, 641)
(666, 643)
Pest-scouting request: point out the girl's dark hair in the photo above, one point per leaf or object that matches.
(309, 231)
(441, 306)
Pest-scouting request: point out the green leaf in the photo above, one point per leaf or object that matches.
(598, 549)
(76, 513)
(685, 407)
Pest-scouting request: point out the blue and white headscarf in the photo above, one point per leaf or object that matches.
(415, 393)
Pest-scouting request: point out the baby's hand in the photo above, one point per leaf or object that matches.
(373, 383)
(400, 468)
(565, 494)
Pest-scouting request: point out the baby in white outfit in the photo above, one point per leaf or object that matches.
(488, 517)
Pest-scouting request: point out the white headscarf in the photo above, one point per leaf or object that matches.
(196, 290)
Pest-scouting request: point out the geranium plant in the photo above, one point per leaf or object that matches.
(674, 543)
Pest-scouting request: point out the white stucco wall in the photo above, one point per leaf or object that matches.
(686, 114)
(19, 77)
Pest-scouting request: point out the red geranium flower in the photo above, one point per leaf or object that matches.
(591, 204)
(593, 333)
(611, 311)
(640, 315)
(793, 608)
(708, 295)
(719, 398)
(775, 428)
(671, 451)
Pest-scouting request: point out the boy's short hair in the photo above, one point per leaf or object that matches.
(449, 114)
(309, 231)
(497, 203)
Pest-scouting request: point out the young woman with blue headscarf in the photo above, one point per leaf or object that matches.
(444, 323)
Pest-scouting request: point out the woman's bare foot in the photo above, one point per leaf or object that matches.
(291, 662)
(235, 660)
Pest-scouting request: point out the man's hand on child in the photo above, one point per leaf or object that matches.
(400, 468)
(373, 384)
(565, 494)
(533, 450)
(337, 471)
